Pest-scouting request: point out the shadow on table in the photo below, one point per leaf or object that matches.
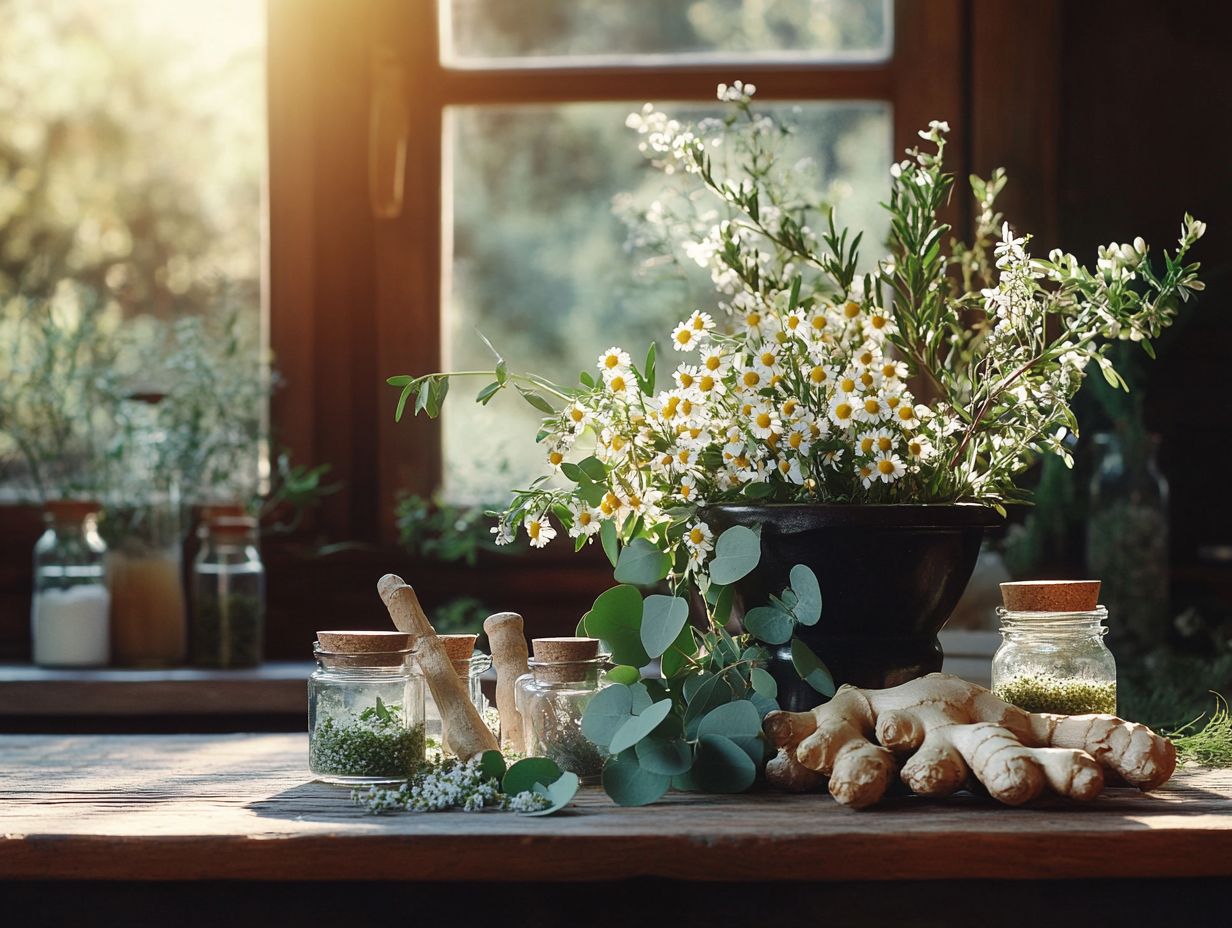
(309, 802)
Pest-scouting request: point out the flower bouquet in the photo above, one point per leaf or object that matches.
(934, 378)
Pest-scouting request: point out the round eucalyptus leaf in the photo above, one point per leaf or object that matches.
(810, 668)
(763, 683)
(642, 563)
(808, 595)
(616, 619)
(714, 692)
(769, 624)
(675, 658)
(722, 766)
(642, 699)
(763, 704)
(667, 756)
(523, 775)
(558, 794)
(735, 554)
(492, 765)
(663, 618)
(629, 785)
(607, 710)
(640, 726)
(693, 683)
(623, 673)
(736, 719)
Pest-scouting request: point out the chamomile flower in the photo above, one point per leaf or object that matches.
(614, 359)
(848, 384)
(766, 359)
(892, 370)
(749, 378)
(866, 357)
(686, 376)
(765, 422)
(873, 441)
(686, 489)
(756, 323)
(586, 521)
(556, 457)
(713, 361)
(878, 325)
(871, 408)
(709, 385)
(843, 411)
(800, 438)
(819, 324)
(866, 473)
(618, 382)
(539, 530)
(889, 467)
(796, 322)
(789, 470)
(685, 337)
(504, 532)
(820, 374)
(700, 322)
(850, 310)
(905, 416)
(577, 417)
(919, 447)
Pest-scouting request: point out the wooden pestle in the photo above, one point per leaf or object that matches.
(509, 657)
(467, 733)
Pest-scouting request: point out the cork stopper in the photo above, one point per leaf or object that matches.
(351, 642)
(71, 510)
(1051, 595)
(458, 647)
(563, 660)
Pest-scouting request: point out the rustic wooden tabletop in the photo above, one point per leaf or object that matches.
(202, 807)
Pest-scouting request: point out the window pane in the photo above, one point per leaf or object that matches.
(132, 158)
(481, 33)
(539, 261)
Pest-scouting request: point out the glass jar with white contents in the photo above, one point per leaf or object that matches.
(1052, 656)
(69, 624)
(365, 709)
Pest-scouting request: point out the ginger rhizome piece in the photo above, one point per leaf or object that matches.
(939, 732)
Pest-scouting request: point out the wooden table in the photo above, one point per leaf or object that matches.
(242, 807)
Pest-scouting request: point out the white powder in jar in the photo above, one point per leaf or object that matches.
(70, 627)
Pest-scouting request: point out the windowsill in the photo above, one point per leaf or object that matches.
(275, 688)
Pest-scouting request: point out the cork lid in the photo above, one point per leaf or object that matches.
(563, 650)
(360, 642)
(459, 647)
(1051, 595)
(563, 660)
(71, 510)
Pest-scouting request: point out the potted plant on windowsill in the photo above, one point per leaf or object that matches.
(841, 436)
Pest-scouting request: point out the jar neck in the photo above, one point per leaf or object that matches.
(567, 673)
(1020, 626)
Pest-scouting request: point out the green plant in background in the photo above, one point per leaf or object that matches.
(440, 531)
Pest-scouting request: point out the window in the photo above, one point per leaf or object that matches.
(530, 100)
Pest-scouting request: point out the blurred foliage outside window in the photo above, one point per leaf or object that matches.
(477, 31)
(132, 156)
(550, 256)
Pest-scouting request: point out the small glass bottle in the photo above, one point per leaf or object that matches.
(470, 666)
(69, 624)
(1052, 656)
(365, 709)
(228, 595)
(565, 674)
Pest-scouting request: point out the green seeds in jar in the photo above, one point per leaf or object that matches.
(1044, 693)
(377, 743)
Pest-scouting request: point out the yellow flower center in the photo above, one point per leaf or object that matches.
(611, 361)
(776, 379)
(843, 410)
(577, 414)
(685, 490)
(915, 448)
(767, 359)
(751, 378)
(847, 385)
(795, 439)
(866, 445)
(871, 405)
(893, 401)
(885, 466)
(684, 336)
(555, 458)
(793, 322)
(616, 443)
(697, 536)
(763, 420)
(866, 358)
(686, 380)
(706, 382)
(713, 362)
(884, 443)
(818, 374)
(889, 370)
(699, 324)
(669, 408)
(789, 407)
(819, 322)
(906, 414)
(866, 379)
(851, 309)
(533, 530)
(773, 439)
(617, 384)
(879, 322)
(752, 319)
(584, 518)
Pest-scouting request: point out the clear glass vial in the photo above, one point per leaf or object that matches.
(1055, 662)
(69, 624)
(228, 595)
(365, 710)
(565, 674)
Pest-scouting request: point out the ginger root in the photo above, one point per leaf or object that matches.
(940, 732)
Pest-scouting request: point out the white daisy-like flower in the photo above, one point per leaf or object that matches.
(505, 533)
(866, 441)
(848, 384)
(766, 359)
(919, 447)
(892, 370)
(789, 470)
(866, 357)
(686, 376)
(709, 385)
(577, 417)
(871, 408)
(819, 323)
(749, 378)
(614, 359)
(586, 520)
(765, 421)
(866, 473)
(878, 325)
(685, 337)
(800, 438)
(905, 416)
(889, 467)
(713, 361)
(618, 382)
(842, 411)
(791, 409)
(757, 324)
(699, 538)
(539, 530)
(686, 489)
(556, 457)
(850, 310)
(796, 322)
(820, 374)
(700, 322)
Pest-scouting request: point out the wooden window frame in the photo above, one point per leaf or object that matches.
(370, 302)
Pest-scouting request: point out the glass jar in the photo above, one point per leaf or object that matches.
(365, 716)
(69, 610)
(470, 666)
(143, 527)
(228, 595)
(1127, 534)
(1055, 662)
(565, 674)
